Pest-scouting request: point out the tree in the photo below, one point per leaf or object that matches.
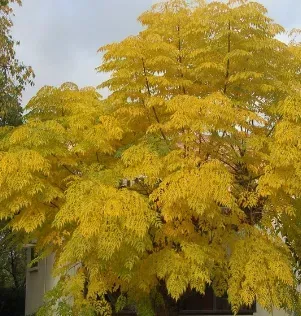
(187, 175)
(12, 273)
(12, 262)
(14, 75)
(13, 78)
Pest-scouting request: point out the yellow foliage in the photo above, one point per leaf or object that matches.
(187, 175)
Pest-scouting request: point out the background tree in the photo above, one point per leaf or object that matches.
(13, 74)
(13, 78)
(187, 175)
(12, 261)
(12, 273)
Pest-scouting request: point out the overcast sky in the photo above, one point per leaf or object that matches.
(60, 38)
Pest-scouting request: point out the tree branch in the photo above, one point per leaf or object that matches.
(228, 61)
(180, 58)
(72, 172)
(150, 94)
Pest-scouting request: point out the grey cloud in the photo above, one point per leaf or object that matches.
(60, 38)
(286, 13)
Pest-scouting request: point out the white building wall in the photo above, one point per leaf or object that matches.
(39, 280)
(261, 312)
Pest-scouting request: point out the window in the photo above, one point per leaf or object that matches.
(193, 303)
(32, 256)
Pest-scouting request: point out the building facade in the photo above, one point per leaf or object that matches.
(39, 280)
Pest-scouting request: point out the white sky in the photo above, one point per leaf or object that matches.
(60, 38)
